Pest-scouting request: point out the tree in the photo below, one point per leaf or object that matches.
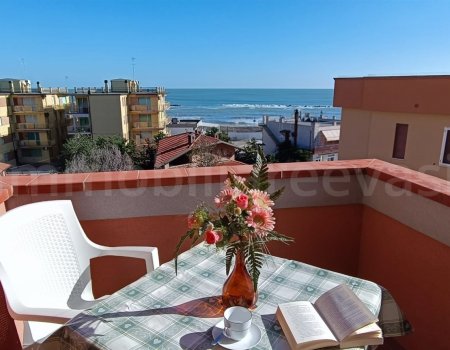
(159, 136)
(147, 155)
(249, 152)
(287, 153)
(223, 136)
(81, 152)
(99, 159)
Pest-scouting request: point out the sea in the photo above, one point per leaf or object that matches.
(248, 106)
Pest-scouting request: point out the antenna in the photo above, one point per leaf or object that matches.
(133, 59)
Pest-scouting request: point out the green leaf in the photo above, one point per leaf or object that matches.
(254, 259)
(276, 236)
(231, 252)
(259, 177)
(239, 185)
(274, 196)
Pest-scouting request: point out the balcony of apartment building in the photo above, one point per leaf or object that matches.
(78, 121)
(36, 143)
(27, 109)
(27, 127)
(142, 109)
(365, 218)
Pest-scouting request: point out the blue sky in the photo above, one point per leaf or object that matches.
(222, 43)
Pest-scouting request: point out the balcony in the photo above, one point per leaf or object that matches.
(33, 143)
(27, 109)
(78, 130)
(31, 126)
(366, 218)
(146, 126)
(140, 109)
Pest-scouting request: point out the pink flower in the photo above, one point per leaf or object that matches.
(225, 196)
(211, 237)
(261, 199)
(261, 220)
(242, 201)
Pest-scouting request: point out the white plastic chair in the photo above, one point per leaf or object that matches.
(44, 265)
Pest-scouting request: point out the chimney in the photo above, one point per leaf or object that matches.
(296, 114)
(11, 86)
(191, 138)
(106, 86)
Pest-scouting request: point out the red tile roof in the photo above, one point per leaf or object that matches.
(172, 147)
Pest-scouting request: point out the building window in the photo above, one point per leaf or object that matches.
(145, 101)
(401, 134)
(445, 151)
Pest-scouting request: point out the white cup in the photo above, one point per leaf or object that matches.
(237, 321)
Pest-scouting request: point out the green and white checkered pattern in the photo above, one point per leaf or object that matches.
(164, 311)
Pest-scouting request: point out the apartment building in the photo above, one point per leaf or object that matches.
(404, 120)
(119, 108)
(6, 140)
(320, 135)
(33, 127)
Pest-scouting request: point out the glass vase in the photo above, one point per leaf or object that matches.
(238, 289)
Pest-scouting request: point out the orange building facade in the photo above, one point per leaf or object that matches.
(403, 120)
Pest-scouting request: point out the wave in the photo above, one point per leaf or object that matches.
(273, 106)
(255, 106)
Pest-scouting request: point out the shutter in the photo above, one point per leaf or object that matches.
(401, 134)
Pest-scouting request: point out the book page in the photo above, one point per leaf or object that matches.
(304, 322)
(343, 311)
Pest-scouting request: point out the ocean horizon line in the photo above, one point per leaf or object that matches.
(249, 88)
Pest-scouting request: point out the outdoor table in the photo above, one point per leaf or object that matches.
(165, 311)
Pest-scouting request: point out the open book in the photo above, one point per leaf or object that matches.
(337, 318)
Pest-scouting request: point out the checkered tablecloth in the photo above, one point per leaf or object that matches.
(164, 311)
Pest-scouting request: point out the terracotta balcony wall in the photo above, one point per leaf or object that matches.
(366, 218)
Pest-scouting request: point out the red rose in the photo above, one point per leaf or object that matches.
(211, 237)
(242, 201)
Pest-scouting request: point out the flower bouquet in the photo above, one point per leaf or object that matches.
(242, 223)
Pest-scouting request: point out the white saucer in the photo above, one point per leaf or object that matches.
(251, 339)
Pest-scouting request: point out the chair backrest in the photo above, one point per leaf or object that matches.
(43, 252)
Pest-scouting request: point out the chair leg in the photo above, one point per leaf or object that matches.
(37, 332)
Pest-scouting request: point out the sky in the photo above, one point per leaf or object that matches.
(222, 43)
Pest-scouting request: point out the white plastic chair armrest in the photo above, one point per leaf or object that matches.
(25, 313)
(149, 254)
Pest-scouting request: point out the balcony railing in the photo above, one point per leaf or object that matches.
(367, 218)
(78, 130)
(22, 109)
(140, 108)
(31, 126)
(33, 143)
(51, 90)
(147, 125)
(71, 109)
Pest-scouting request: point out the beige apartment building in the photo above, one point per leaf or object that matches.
(36, 122)
(119, 108)
(404, 120)
(7, 154)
